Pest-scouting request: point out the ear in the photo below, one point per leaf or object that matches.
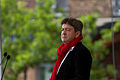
(77, 34)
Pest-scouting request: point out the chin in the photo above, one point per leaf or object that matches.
(63, 41)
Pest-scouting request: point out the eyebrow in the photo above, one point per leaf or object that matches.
(66, 28)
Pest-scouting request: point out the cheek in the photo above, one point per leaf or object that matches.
(72, 35)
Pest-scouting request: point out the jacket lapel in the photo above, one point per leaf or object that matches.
(65, 58)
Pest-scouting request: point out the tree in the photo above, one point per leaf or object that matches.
(29, 36)
(98, 48)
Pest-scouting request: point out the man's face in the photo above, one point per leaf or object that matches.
(68, 33)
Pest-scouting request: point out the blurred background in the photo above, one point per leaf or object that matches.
(30, 34)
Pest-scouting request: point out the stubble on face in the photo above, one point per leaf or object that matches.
(67, 33)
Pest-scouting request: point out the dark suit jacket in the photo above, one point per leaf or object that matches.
(77, 64)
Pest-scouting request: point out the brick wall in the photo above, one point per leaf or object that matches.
(30, 4)
(84, 7)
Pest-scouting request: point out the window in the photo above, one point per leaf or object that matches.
(116, 7)
(61, 5)
(43, 72)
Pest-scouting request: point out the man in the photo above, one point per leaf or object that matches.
(73, 58)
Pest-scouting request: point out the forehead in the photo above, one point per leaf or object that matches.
(67, 26)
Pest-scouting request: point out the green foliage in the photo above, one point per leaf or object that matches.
(89, 24)
(29, 36)
(98, 48)
(110, 69)
(117, 27)
(107, 33)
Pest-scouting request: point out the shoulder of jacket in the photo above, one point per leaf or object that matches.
(81, 49)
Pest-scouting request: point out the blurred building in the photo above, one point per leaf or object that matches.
(76, 8)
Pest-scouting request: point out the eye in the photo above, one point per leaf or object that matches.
(67, 29)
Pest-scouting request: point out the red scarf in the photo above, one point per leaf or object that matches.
(61, 52)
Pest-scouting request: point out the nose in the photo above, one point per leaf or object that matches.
(64, 31)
